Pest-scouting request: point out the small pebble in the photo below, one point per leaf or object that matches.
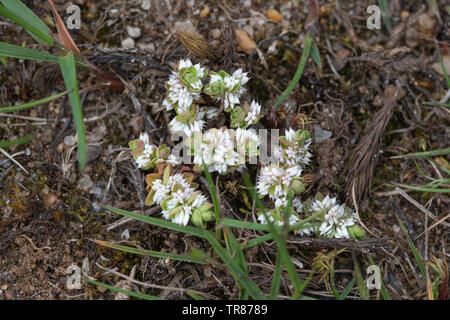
(69, 141)
(133, 32)
(215, 33)
(128, 43)
(205, 11)
(321, 135)
(244, 41)
(146, 4)
(274, 15)
(85, 183)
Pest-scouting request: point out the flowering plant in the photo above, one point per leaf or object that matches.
(224, 150)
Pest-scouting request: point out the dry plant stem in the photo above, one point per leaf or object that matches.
(13, 160)
(154, 286)
(419, 206)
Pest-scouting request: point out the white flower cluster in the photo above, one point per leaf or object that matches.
(227, 88)
(246, 116)
(178, 197)
(183, 89)
(294, 147)
(332, 220)
(223, 149)
(276, 182)
(184, 85)
(336, 218)
(147, 155)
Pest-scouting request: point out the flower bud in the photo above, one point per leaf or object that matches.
(356, 232)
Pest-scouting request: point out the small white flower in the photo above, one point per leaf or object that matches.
(275, 181)
(254, 114)
(216, 150)
(295, 150)
(335, 218)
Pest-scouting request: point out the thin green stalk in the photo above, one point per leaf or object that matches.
(413, 249)
(10, 143)
(298, 73)
(33, 103)
(128, 292)
(360, 279)
(68, 69)
(276, 278)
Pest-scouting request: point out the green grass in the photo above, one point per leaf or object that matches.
(21, 140)
(298, 73)
(68, 69)
(33, 103)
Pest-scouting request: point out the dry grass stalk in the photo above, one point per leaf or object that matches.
(361, 165)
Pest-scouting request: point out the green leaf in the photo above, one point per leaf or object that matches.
(33, 103)
(276, 279)
(425, 189)
(234, 268)
(279, 240)
(298, 73)
(433, 153)
(413, 249)
(158, 222)
(232, 265)
(12, 51)
(363, 292)
(212, 191)
(128, 292)
(20, 14)
(385, 14)
(155, 254)
(315, 55)
(67, 65)
(347, 290)
(10, 143)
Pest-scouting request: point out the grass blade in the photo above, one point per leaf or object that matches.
(433, 153)
(158, 222)
(127, 292)
(363, 292)
(347, 290)
(437, 104)
(315, 55)
(413, 249)
(385, 14)
(33, 103)
(24, 17)
(155, 254)
(232, 265)
(235, 251)
(298, 73)
(194, 296)
(281, 244)
(67, 65)
(234, 268)
(424, 189)
(13, 51)
(10, 143)
(276, 279)
(444, 71)
(212, 191)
